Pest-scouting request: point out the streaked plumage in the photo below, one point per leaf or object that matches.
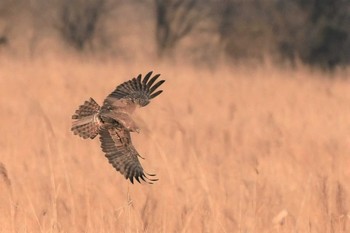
(113, 123)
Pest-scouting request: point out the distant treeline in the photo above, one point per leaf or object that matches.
(316, 32)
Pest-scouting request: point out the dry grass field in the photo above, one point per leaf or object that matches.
(238, 149)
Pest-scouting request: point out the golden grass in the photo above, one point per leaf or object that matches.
(236, 150)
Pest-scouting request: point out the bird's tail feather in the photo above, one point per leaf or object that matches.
(87, 122)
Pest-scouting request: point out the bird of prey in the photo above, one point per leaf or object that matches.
(113, 122)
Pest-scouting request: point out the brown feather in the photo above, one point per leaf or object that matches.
(116, 143)
(87, 122)
(114, 123)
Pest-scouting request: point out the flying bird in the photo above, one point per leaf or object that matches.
(113, 122)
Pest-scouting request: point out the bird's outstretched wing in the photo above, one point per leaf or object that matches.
(117, 145)
(139, 91)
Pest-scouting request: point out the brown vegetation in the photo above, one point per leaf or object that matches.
(236, 150)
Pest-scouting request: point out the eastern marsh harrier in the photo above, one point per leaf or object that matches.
(113, 123)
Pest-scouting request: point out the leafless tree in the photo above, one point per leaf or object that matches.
(327, 40)
(8, 9)
(175, 19)
(78, 21)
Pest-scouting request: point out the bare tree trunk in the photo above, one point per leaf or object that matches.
(175, 19)
(79, 21)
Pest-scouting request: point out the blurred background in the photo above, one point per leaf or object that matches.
(251, 133)
(313, 32)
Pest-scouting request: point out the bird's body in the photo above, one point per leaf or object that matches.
(113, 122)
